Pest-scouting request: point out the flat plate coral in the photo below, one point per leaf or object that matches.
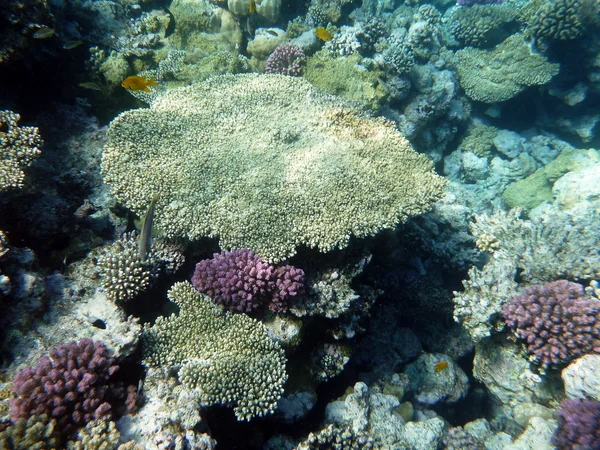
(265, 162)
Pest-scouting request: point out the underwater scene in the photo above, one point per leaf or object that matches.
(299, 224)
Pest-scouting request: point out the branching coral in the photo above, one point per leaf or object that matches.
(69, 386)
(286, 59)
(266, 162)
(546, 248)
(19, 146)
(497, 75)
(241, 281)
(556, 322)
(225, 358)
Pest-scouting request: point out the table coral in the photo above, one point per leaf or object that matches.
(226, 358)
(266, 162)
(492, 76)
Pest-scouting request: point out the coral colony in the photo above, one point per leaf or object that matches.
(327, 224)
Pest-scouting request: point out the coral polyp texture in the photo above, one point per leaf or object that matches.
(499, 74)
(19, 146)
(286, 59)
(241, 281)
(69, 386)
(477, 2)
(556, 321)
(266, 162)
(225, 358)
(578, 425)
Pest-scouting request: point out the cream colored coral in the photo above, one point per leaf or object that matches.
(266, 162)
(225, 358)
(19, 146)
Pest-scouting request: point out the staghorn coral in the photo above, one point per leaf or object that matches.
(225, 358)
(492, 76)
(578, 425)
(19, 146)
(556, 322)
(266, 162)
(69, 386)
(243, 282)
(286, 59)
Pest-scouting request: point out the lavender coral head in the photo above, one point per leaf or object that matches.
(286, 59)
(478, 2)
(69, 386)
(578, 425)
(556, 321)
(243, 282)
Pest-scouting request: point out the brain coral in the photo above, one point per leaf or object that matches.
(265, 162)
(497, 75)
(226, 358)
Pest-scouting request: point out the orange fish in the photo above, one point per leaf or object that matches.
(323, 34)
(442, 365)
(252, 8)
(135, 83)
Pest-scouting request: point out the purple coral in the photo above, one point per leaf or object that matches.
(242, 281)
(478, 2)
(556, 321)
(69, 386)
(286, 59)
(578, 425)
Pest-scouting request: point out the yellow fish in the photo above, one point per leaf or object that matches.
(442, 365)
(252, 8)
(323, 34)
(135, 83)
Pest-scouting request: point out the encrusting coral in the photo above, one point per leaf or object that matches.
(224, 357)
(266, 162)
(19, 146)
(578, 425)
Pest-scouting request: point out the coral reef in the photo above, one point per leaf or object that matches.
(35, 432)
(332, 437)
(70, 386)
(492, 76)
(578, 425)
(556, 322)
(551, 246)
(270, 156)
(286, 59)
(243, 282)
(225, 358)
(19, 147)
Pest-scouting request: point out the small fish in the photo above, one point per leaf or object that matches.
(251, 25)
(171, 27)
(90, 85)
(44, 33)
(442, 365)
(135, 83)
(252, 7)
(272, 32)
(70, 45)
(323, 34)
(146, 236)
